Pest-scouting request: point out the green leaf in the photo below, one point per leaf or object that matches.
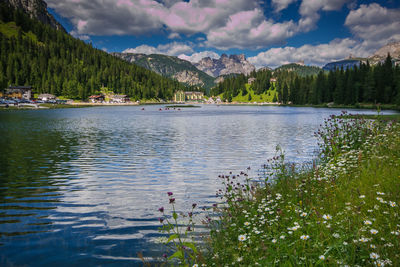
(172, 237)
(174, 215)
(178, 254)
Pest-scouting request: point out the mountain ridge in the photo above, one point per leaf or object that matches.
(36, 9)
(225, 65)
(170, 66)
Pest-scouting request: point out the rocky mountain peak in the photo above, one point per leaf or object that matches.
(36, 9)
(225, 65)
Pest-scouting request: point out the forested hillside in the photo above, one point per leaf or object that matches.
(364, 84)
(54, 62)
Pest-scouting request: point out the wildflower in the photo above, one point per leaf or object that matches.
(380, 193)
(194, 205)
(374, 256)
(239, 259)
(242, 238)
(304, 237)
(327, 217)
(392, 204)
(372, 246)
(273, 240)
(282, 237)
(363, 239)
(246, 223)
(345, 243)
(322, 257)
(362, 196)
(161, 220)
(367, 222)
(374, 231)
(195, 265)
(171, 200)
(303, 214)
(336, 235)
(161, 209)
(170, 193)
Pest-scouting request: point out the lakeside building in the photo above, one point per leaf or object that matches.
(251, 80)
(96, 98)
(46, 97)
(20, 92)
(119, 99)
(181, 96)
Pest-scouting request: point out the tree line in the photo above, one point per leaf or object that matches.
(365, 83)
(54, 62)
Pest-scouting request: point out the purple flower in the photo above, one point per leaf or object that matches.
(161, 220)
(165, 255)
(189, 229)
(190, 214)
(170, 193)
(171, 200)
(161, 209)
(194, 205)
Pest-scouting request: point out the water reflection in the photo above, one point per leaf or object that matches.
(85, 184)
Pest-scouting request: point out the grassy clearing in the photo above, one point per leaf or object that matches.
(266, 97)
(343, 211)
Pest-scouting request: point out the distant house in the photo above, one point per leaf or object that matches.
(46, 97)
(251, 80)
(119, 99)
(96, 98)
(20, 92)
(181, 96)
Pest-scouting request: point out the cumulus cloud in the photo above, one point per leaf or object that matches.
(109, 17)
(280, 5)
(311, 54)
(196, 57)
(225, 23)
(309, 11)
(172, 49)
(375, 25)
(249, 29)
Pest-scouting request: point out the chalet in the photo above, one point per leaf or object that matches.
(119, 98)
(251, 80)
(46, 97)
(20, 92)
(96, 98)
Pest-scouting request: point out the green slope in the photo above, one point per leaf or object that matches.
(52, 61)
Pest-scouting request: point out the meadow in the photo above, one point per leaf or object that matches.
(341, 211)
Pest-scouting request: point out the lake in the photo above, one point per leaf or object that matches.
(83, 186)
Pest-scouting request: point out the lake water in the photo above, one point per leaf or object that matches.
(83, 186)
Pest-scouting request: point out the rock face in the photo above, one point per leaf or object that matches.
(225, 65)
(36, 9)
(188, 77)
(181, 70)
(391, 48)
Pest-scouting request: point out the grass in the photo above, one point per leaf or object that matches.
(10, 29)
(343, 211)
(266, 97)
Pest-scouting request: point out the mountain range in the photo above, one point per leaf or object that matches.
(172, 67)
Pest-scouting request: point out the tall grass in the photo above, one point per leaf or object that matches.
(343, 211)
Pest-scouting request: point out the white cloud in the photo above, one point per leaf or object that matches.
(375, 25)
(249, 29)
(309, 11)
(196, 57)
(280, 5)
(311, 54)
(172, 49)
(174, 35)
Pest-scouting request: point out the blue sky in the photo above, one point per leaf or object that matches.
(270, 33)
